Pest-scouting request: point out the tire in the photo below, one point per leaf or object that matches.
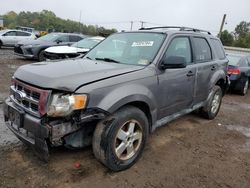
(212, 107)
(1, 44)
(114, 145)
(244, 87)
(41, 56)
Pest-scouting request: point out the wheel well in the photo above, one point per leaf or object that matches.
(143, 107)
(222, 84)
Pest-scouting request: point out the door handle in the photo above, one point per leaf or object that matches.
(213, 68)
(190, 73)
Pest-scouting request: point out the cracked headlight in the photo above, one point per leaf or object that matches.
(63, 105)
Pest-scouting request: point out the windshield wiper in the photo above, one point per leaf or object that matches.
(86, 57)
(108, 60)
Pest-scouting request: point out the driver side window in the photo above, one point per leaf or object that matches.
(179, 47)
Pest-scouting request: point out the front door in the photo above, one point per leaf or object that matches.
(176, 86)
(9, 38)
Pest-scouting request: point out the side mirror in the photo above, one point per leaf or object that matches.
(173, 62)
(58, 41)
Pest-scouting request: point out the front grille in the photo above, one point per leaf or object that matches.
(18, 50)
(32, 100)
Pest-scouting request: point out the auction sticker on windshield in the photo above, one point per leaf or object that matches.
(142, 43)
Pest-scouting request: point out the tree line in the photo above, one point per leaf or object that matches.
(240, 37)
(47, 21)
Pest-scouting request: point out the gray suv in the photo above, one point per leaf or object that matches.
(122, 90)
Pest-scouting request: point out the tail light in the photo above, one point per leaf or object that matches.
(233, 71)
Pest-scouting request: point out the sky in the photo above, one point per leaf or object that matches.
(202, 14)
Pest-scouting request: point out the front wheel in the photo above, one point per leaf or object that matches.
(212, 107)
(41, 56)
(118, 141)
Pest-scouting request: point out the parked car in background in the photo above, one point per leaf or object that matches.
(12, 37)
(239, 72)
(76, 49)
(34, 49)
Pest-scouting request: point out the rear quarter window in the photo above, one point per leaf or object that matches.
(202, 50)
(218, 48)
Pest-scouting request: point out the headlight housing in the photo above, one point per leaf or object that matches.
(63, 105)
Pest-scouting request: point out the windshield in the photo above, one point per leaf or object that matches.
(87, 43)
(49, 37)
(128, 48)
(233, 59)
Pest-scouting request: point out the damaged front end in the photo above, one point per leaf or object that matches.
(41, 119)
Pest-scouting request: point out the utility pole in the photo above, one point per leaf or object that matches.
(142, 24)
(131, 25)
(222, 24)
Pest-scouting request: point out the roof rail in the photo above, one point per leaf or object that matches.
(177, 27)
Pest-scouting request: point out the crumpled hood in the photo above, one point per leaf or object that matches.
(68, 75)
(65, 50)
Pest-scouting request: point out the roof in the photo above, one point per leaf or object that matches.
(176, 29)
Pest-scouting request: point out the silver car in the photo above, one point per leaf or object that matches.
(12, 37)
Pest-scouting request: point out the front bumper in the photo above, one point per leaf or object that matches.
(30, 131)
(38, 135)
(24, 51)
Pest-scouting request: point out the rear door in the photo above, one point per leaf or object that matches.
(205, 65)
(22, 36)
(9, 38)
(176, 86)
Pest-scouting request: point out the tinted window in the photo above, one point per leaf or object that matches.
(180, 47)
(23, 34)
(202, 49)
(74, 38)
(218, 48)
(64, 38)
(10, 33)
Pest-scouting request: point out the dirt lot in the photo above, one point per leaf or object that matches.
(189, 152)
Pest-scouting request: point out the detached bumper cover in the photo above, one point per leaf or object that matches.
(23, 51)
(31, 132)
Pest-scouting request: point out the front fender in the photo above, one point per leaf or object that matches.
(127, 94)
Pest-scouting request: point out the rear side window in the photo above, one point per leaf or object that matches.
(23, 34)
(202, 50)
(73, 38)
(218, 48)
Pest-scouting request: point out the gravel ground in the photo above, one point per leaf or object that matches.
(188, 152)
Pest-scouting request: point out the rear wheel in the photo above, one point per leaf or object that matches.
(212, 107)
(1, 44)
(41, 56)
(244, 87)
(119, 140)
